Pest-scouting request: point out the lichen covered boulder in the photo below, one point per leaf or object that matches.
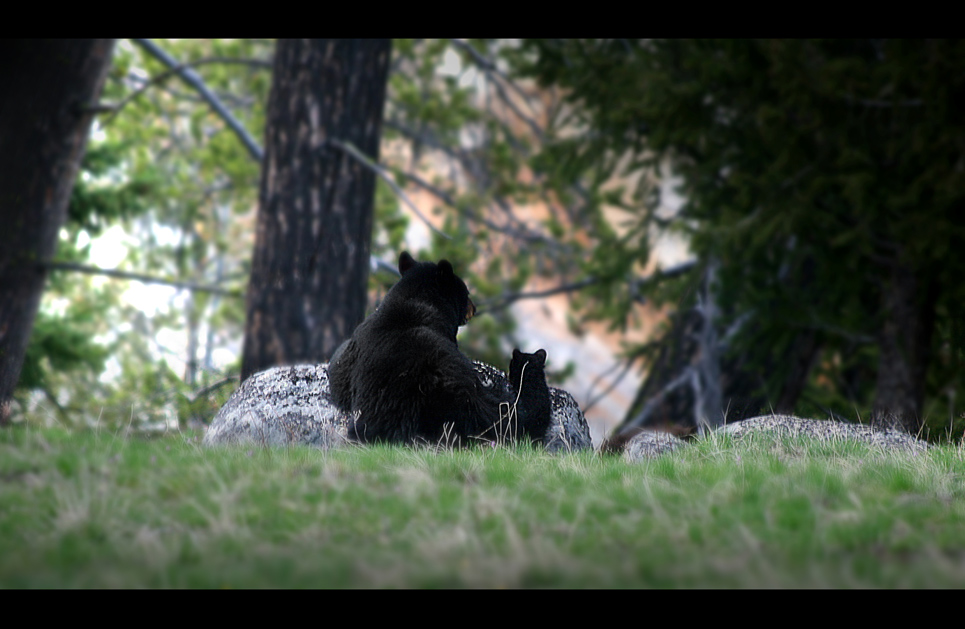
(824, 430)
(281, 406)
(293, 405)
(648, 443)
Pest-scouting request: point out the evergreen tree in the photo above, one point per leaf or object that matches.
(51, 89)
(825, 178)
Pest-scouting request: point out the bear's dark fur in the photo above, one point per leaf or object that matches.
(403, 378)
(527, 378)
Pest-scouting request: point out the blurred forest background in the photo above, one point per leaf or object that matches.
(749, 225)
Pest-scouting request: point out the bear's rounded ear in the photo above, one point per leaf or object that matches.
(445, 267)
(405, 262)
(541, 355)
(516, 353)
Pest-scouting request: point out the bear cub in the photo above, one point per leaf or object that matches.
(403, 379)
(527, 377)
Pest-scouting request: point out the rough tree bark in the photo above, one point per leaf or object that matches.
(50, 90)
(904, 341)
(311, 261)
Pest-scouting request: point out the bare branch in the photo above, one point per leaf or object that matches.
(147, 279)
(523, 233)
(506, 300)
(592, 401)
(640, 418)
(154, 80)
(471, 167)
(378, 264)
(194, 80)
(196, 395)
(706, 375)
(425, 137)
(489, 67)
(350, 149)
(637, 284)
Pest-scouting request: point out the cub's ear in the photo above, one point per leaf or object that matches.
(405, 262)
(445, 267)
(541, 356)
(516, 353)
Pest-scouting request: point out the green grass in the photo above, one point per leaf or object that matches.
(86, 509)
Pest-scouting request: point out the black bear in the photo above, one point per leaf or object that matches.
(403, 378)
(531, 406)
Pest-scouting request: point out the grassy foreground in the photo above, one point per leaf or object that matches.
(87, 509)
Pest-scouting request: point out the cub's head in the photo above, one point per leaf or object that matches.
(523, 365)
(521, 360)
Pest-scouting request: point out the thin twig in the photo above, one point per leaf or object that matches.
(194, 80)
(506, 300)
(154, 80)
(196, 395)
(592, 401)
(351, 150)
(648, 408)
(523, 233)
(147, 279)
(489, 67)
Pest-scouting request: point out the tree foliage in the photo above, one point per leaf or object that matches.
(822, 183)
(165, 194)
(818, 174)
(192, 220)
(50, 93)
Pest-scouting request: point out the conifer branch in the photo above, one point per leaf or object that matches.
(194, 80)
(55, 265)
(158, 78)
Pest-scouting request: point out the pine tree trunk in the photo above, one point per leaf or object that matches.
(310, 267)
(904, 341)
(49, 89)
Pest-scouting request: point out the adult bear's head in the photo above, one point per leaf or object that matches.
(435, 284)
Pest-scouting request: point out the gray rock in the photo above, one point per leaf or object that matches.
(568, 431)
(292, 405)
(825, 430)
(281, 406)
(648, 444)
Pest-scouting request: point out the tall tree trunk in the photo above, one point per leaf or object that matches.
(49, 88)
(904, 342)
(311, 261)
